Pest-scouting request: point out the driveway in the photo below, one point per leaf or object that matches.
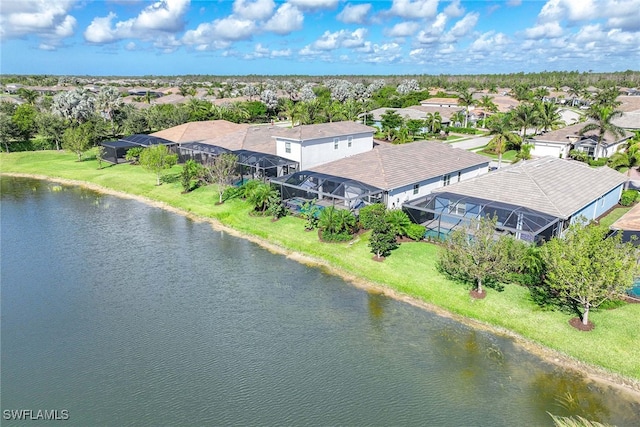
(470, 143)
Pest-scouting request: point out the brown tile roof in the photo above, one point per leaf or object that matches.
(199, 131)
(629, 221)
(549, 185)
(629, 103)
(390, 166)
(415, 112)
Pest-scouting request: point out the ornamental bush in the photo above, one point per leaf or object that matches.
(629, 197)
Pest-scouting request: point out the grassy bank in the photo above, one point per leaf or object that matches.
(410, 270)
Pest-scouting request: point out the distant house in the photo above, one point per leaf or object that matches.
(629, 120)
(532, 200)
(559, 142)
(390, 174)
(441, 103)
(415, 112)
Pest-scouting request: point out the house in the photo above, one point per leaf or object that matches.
(559, 143)
(441, 103)
(532, 200)
(390, 174)
(313, 145)
(628, 120)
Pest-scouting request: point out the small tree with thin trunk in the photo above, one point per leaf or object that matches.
(588, 267)
(383, 239)
(221, 171)
(474, 254)
(157, 159)
(76, 139)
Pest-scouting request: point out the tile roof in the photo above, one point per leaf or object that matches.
(390, 166)
(549, 185)
(324, 130)
(415, 112)
(199, 131)
(629, 120)
(630, 221)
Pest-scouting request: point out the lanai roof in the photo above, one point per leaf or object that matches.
(390, 166)
(549, 185)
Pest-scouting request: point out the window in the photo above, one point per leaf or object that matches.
(446, 180)
(349, 141)
(457, 208)
(416, 188)
(287, 147)
(335, 143)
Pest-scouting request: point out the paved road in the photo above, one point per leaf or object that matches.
(470, 143)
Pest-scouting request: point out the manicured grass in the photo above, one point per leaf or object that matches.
(411, 269)
(613, 216)
(507, 156)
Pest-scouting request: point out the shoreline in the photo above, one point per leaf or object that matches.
(590, 372)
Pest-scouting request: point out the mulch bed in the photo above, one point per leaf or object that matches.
(378, 259)
(477, 295)
(576, 322)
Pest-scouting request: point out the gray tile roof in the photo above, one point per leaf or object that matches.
(324, 130)
(390, 166)
(549, 185)
(415, 112)
(629, 120)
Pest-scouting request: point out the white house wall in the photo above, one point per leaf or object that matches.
(319, 151)
(544, 149)
(398, 196)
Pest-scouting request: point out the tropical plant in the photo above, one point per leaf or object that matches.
(503, 138)
(465, 99)
(310, 212)
(336, 221)
(275, 206)
(260, 195)
(156, 159)
(524, 116)
(548, 116)
(474, 254)
(434, 122)
(602, 121)
(382, 240)
(589, 267)
(399, 221)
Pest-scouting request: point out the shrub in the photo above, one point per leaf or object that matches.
(371, 214)
(415, 232)
(469, 131)
(328, 236)
(231, 193)
(399, 221)
(597, 163)
(579, 156)
(628, 197)
(133, 155)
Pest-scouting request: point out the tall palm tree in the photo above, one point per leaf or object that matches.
(486, 103)
(548, 115)
(602, 117)
(525, 116)
(465, 99)
(501, 128)
(434, 122)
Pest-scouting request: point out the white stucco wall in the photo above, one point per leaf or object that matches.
(319, 151)
(398, 196)
(543, 149)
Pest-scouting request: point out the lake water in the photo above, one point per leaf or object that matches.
(123, 314)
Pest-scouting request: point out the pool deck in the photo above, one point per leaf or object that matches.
(629, 221)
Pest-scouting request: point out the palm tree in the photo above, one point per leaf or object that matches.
(501, 128)
(465, 99)
(486, 102)
(434, 122)
(548, 115)
(336, 221)
(525, 116)
(602, 117)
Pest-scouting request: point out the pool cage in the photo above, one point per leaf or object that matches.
(256, 165)
(116, 151)
(441, 213)
(326, 190)
(199, 152)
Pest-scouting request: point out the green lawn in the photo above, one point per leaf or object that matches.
(410, 270)
(613, 216)
(507, 156)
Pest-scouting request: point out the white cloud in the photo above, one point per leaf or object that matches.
(385, 53)
(571, 10)
(219, 33)
(354, 14)
(623, 14)
(286, 20)
(489, 42)
(256, 9)
(314, 4)
(454, 9)
(355, 39)
(260, 51)
(414, 9)
(433, 33)
(49, 20)
(403, 29)
(465, 25)
(162, 17)
(340, 39)
(549, 30)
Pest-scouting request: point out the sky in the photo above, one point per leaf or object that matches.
(317, 37)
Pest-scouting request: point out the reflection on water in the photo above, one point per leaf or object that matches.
(129, 315)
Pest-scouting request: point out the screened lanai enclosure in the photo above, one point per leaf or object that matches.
(326, 190)
(116, 151)
(441, 213)
(256, 165)
(199, 152)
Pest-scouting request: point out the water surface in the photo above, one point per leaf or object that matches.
(124, 314)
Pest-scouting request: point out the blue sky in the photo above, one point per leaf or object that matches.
(317, 37)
